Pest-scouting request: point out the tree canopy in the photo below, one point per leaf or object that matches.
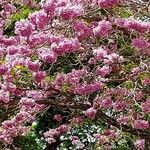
(74, 74)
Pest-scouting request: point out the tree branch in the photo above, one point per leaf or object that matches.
(100, 115)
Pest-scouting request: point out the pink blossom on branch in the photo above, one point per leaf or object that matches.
(141, 124)
(140, 144)
(91, 113)
(107, 3)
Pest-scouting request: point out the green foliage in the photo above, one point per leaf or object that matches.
(128, 66)
(123, 12)
(85, 133)
(22, 14)
(26, 76)
(147, 117)
(128, 84)
(28, 142)
(127, 51)
(124, 144)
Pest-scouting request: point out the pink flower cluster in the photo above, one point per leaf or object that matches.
(70, 11)
(135, 25)
(82, 30)
(146, 106)
(58, 118)
(140, 144)
(52, 134)
(91, 113)
(106, 103)
(16, 126)
(12, 129)
(107, 3)
(24, 28)
(39, 19)
(57, 48)
(65, 46)
(102, 29)
(140, 43)
(141, 124)
(4, 96)
(87, 88)
(119, 106)
(104, 71)
(123, 120)
(7, 9)
(106, 136)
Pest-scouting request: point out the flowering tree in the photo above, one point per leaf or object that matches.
(88, 58)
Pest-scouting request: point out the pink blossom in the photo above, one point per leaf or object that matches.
(119, 105)
(100, 53)
(107, 103)
(105, 70)
(75, 140)
(21, 117)
(50, 57)
(139, 26)
(58, 118)
(39, 76)
(114, 58)
(34, 66)
(65, 46)
(35, 94)
(146, 81)
(140, 43)
(11, 50)
(121, 22)
(123, 120)
(102, 29)
(102, 139)
(70, 11)
(50, 140)
(8, 41)
(24, 50)
(87, 88)
(22, 130)
(3, 69)
(111, 133)
(49, 7)
(92, 61)
(28, 102)
(24, 28)
(2, 52)
(146, 106)
(8, 124)
(82, 30)
(52, 133)
(141, 124)
(4, 96)
(139, 95)
(140, 144)
(10, 87)
(107, 3)
(39, 19)
(63, 128)
(91, 113)
(47, 55)
(77, 120)
(9, 7)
